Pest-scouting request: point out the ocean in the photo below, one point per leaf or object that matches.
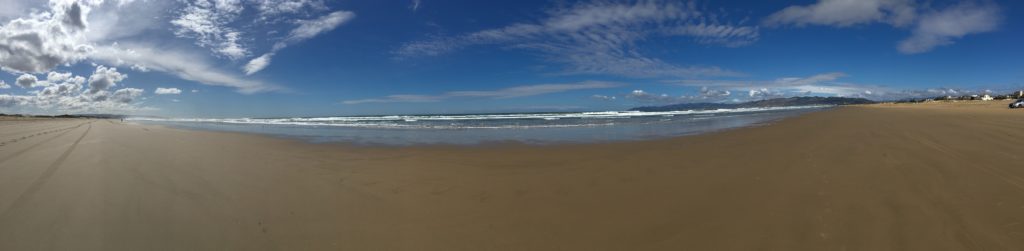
(468, 129)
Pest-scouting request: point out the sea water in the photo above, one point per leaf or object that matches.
(462, 129)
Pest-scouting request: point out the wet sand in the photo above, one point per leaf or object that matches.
(937, 176)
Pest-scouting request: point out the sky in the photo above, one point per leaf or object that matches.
(274, 58)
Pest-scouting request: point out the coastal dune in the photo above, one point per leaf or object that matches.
(935, 176)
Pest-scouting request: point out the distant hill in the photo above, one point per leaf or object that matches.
(91, 116)
(775, 102)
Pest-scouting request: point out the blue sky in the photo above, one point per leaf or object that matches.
(269, 58)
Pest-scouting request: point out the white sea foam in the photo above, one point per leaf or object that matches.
(470, 121)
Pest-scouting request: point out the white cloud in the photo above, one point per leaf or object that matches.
(270, 9)
(931, 28)
(16, 8)
(27, 81)
(41, 41)
(4, 85)
(12, 100)
(707, 93)
(603, 97)
(844, 13)
(66, 93)
(182, 64)
(942, 27)
(647, 97)
(310, 28)
(44, 40)
(167, 91)
(307, 29)
(207, 22)
(825, 84)
(126, 95)
(57, 77)
(195, 91)
(603, 37)
(257, 64)
(103, 78)
(511, 92)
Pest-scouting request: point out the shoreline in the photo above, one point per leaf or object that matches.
(610, 131)
(908, 177)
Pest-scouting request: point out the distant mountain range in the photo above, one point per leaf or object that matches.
(775, 102)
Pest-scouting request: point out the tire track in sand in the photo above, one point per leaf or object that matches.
(43, 178)
(30, 148)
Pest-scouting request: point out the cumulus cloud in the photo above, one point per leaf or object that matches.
(27, 81)
(4, 85)
(126, 95)
(167, 91)
(603, 97)
(943, 27)
(306, 29)
(603, 37)
(12, 100)
(41, 41)
(53, 37)
(67, 93)
(931, 28)
(103, 78)
(511, 92)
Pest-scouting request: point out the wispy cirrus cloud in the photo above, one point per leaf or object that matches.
(185, 65)
(216, 24)
(931, 27)
(844, 13)
(943, 27)
(603, 37)
(208, 23)
(306, 29)
(511, 92)
(69, 32)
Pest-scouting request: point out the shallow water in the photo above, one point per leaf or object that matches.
(532, 128)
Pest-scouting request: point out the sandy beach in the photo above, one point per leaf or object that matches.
(935, 176)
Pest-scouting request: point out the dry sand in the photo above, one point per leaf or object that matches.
(940, 176)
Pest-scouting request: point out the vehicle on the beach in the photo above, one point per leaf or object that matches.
(1017, 104)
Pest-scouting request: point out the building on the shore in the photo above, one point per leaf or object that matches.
(1017, 94)
(986, 97)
